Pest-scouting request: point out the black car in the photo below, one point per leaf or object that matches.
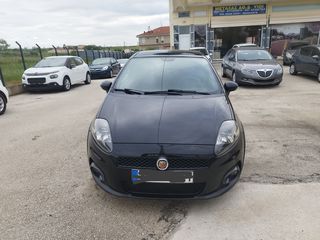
(290, 49)
(251, 66)
(306, 61)
(104, 68)
(166, 131)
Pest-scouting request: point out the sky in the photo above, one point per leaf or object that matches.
(79, 22)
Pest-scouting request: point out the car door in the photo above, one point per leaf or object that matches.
(303, 61)
(81, 69)
(314, 61)
(230, 63)
(115, 66)
(71, 65)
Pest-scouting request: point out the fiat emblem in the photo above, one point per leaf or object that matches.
(162, 164)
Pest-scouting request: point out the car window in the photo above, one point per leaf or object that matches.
(78, 61)
(179, 73)
(232, 56)
(72, 61)
(306, 51)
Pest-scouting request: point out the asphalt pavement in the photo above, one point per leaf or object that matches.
(46, 190)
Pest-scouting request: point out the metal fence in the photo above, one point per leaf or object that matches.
(14, 62)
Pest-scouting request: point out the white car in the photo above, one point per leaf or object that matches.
(203, 51)
(244, 45)
(56, 72)
(4, 97)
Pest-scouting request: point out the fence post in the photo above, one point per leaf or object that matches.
(55, 50)
(39, 51)
(77, 50)
(66, 48)
(104, 51)
(22, 57)
(93, 56)
(86, 53)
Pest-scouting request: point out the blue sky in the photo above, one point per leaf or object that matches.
(73, 22)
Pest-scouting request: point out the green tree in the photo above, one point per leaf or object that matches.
(3, 44)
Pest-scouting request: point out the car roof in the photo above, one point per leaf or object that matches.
(194, 48)
(244, 45)
(249, 48)
(168, 53)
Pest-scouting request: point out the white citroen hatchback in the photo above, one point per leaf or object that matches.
(4, 97)
(56, 72)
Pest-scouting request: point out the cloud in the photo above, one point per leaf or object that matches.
(106, 23)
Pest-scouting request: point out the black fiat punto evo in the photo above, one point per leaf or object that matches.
(166, 129)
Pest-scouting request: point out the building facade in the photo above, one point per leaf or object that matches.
(158, 38)
(219, 24)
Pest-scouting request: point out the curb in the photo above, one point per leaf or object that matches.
(15, 90)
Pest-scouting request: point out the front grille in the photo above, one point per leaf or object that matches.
(36, 80)
(174, 162)
(264, 73)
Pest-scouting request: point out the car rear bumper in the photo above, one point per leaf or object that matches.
(208, 182)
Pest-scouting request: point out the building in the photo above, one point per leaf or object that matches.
(158, 38)
(219, 24)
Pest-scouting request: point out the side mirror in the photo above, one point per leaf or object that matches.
(106, 85)
(230, 86)
(316, 57)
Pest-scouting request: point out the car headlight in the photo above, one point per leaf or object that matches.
(228, 134)
(23, 77)
(247, 71)
(53, 76)
(101, 133)
(105, 68)
(279, 69)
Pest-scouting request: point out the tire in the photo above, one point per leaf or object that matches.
(88, 79)
(224, 75)
(66, 84)
(3, 104)
(319, 76)
(110, 74)
(293, 69)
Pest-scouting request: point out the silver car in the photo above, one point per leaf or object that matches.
(251, 66)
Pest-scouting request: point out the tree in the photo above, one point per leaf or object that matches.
(3, 44)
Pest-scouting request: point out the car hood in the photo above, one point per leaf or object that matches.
(258, 64)
(43, 71)
(165, 119)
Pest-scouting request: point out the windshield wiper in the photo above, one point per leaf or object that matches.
(130, 91)
(177, 92)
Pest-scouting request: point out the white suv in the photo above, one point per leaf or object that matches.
(56, 72)
(4, 97)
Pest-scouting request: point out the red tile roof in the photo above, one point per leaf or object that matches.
(160, 31)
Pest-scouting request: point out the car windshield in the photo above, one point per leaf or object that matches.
(51, 62)
(101, 61)
(253, 55)
(122, 60)
(169, 74)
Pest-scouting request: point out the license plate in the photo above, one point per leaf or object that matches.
(153, 176)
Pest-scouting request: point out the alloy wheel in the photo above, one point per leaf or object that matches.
(292, 69)
(67, 84)
(2, 104)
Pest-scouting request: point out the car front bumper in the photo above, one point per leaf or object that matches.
(99, 73)
(246, 79)
(208, 182)
(39, 87)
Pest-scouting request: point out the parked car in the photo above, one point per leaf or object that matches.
(203, 51)
(244, 45)
(290, 49)
(251, 66)
(307, 61)
(4, 97)
(166, 131)
(59, 72)
(104, 67)
(123, 62)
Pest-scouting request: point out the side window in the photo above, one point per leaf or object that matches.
(78, 61)
(306, 51)
(232, 56)
(72, 62)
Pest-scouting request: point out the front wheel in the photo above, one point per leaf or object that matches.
(293, 69)
(224, 72)
(66, 84)
(88, 79)
(110, 74)
(234, 77)
(3, 104)
(319, 77)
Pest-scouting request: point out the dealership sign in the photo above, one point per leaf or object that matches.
(239, 10)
